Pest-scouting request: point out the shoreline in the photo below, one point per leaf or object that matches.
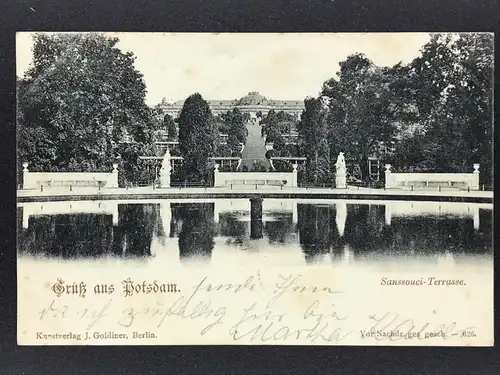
(25, 196)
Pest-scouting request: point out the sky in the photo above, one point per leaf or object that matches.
(279, 66)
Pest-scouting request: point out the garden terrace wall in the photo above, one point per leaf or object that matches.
(466, 181)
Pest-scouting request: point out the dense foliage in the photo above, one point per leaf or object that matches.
(233, 123)
(82, 103)
(198, 140)
(275, 124)
(79, 100)
(436, 112)
(313, 138)
(170, 127)
(451, 85)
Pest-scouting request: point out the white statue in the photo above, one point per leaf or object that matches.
(340, 175)
(165, 164)
(165, 170)
(340, 165)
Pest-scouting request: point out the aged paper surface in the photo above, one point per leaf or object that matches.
(248, 262)
(270, 298)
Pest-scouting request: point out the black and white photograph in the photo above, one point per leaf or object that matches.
(255, 188)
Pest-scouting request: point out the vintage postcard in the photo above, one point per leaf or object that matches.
(255, 189)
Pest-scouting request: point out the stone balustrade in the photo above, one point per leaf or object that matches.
(468, 181)
(255, 178)
(54, 180)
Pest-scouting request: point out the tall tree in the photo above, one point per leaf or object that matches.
(170, 127)
(81, 96)
(269, 125)
(313, 139)
(452, 82)
(362, 109)
(235, 123)
(198, 139)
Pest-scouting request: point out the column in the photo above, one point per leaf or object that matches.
(475, 178)
(216, 174)
(387, 176)
(294, 176)
(26, 179)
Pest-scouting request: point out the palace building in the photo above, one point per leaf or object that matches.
(253, 104)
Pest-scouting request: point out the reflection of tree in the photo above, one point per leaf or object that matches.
(483, 238)
(67, 236)
(196, 237)
(231, 227)
(365, 228)
(439, 234)
(160, 231)
(278, 231)
(427, 234)
(91, 235)
(317, 230)
(135, 230)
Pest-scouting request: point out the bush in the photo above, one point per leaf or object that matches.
(258, 167)
(224, 150)
(282, 166)
(270, 154)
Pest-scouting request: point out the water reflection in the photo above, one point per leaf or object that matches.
(318, 233)
(82, 235)
(332, 231)
(197, 229)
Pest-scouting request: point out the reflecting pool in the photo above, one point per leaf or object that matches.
(159, 233)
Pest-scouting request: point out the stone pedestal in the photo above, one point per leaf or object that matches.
(388, 176)
(475, 178)
(26, 172)
(113, 182)
(294, 178)
(164, 178)
(341, 180)
(216, 174)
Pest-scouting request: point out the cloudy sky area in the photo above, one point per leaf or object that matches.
(228, 66)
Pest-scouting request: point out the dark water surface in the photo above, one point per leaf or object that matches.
(277, 231)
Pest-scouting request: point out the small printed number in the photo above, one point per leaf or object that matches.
(468, 334)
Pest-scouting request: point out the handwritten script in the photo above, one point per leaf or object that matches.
(285, 309)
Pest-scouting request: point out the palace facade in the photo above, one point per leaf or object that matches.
(253, 104)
